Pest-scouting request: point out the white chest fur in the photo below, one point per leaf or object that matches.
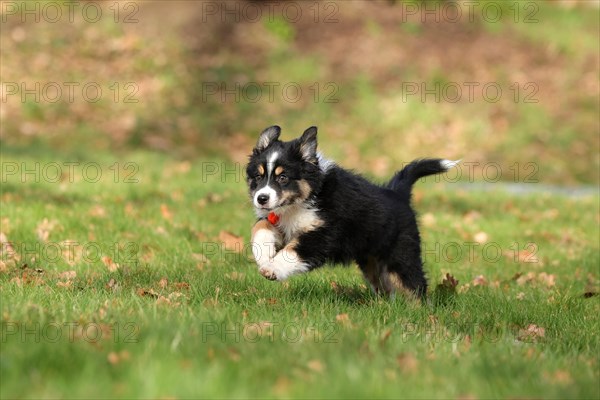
(298, 219)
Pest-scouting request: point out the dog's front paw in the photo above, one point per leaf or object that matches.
(268, 273)
(282, 266)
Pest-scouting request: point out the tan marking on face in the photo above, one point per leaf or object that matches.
(287, 196)
(261, 169)
(304, 189)
(278, 170)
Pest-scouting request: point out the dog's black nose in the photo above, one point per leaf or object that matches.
(262, 199)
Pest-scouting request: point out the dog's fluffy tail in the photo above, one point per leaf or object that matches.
(403, 180)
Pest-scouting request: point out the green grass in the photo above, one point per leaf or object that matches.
(175, 325)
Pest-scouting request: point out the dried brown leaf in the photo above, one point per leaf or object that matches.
(407, 362)
(182, 285)
(449, 282)
(235, 276)
(165, 212)
(532, 333)
(44, 229)
(385, 336)
(315, 365)
(112, 284)
(548, 279)
(147, 293)
(67, 275)
(481, 237)
(428, 219)
(7, 251)
(342, 318)
(480, 281)
(65, 284)
(112, 266)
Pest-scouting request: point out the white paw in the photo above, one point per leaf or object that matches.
(282, 266)
(268, 273)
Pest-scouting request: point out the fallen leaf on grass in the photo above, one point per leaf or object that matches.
(282, 385)
(471, 216)
(315, 365)
(480, 281)
(171, 300)
(29, 277)
(67, 275)
(112, 266)
(147, 292)
(115, 358)
(163, 283)
(165, 212)
(548, 279)
(163, 300)
(523, 279)
(407, 362)
(390, 374)
(449, 282)
(532, 333)
(7, 251)
(523, 256)
(112, 284)
(562, 377)
(481, 237)
(201, 259)
(44, 229)
(66, 284)
(182, 285)
(97, 211)
(428, 219)
(235, 276)
(214, 198)
(385, 336)
(342, 318)
(234, 355)
(231, 241)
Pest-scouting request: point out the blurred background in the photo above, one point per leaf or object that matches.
(511, 83)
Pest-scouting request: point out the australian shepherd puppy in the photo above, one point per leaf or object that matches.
(311, 211)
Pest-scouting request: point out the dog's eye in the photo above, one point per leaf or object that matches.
(282, 179)
(258, 178)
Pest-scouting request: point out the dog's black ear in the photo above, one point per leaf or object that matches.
(308, 144)
(267, 137)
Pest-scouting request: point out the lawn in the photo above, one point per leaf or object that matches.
(130, 276)
(125, 268)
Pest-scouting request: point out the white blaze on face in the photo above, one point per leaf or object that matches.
(268, 190)
(271, 163)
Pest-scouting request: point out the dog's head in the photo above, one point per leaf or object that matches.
(279, 173)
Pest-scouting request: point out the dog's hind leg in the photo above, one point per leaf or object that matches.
(371, 269)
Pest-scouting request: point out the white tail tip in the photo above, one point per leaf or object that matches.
(447, 164)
